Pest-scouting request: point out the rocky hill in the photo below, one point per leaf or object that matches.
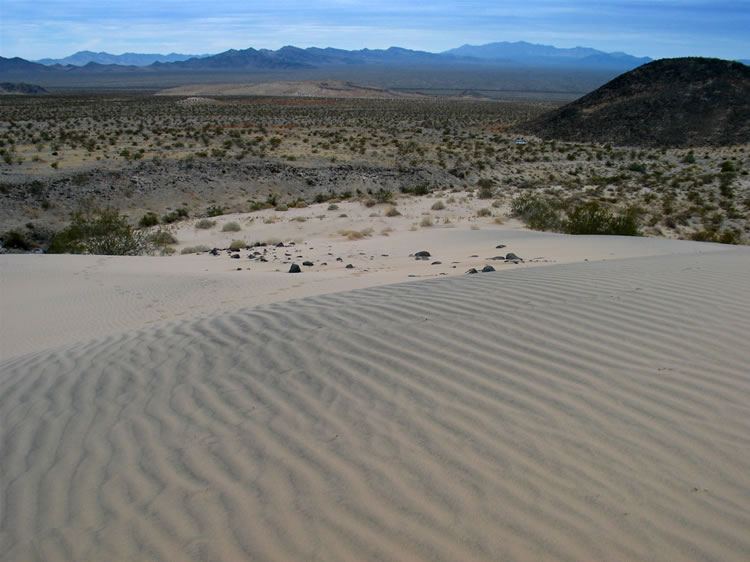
(20, 88)
(670, 102)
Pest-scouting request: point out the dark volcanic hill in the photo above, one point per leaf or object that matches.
(669, 102)
(20, 88)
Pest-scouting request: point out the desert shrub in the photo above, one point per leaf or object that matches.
(427, 221)
(237, 245)
(174, 216)
(383, 196)
(161, 239)
(205, 224)
(592, 218)
(333, 207)
(726, 237)
(484, 212)
(215, 211)
(195, 249)
(356, 234)
(485, 186)
(281, 207)
(392, 212)
(96, 230)
(536, 212)
(15, 240)
(147, 220)
(438, 206)
(231, 227)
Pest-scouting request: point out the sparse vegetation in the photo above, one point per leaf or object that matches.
(231, 226)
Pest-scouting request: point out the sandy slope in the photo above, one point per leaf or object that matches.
(49, 300)
(582, 411)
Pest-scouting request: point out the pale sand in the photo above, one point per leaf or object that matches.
(578, 411)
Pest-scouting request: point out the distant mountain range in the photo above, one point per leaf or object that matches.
(82, 58)
(530, 53)
(520, 53)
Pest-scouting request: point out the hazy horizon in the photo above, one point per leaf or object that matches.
(659, 29)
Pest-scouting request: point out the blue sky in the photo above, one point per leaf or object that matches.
(34, 29)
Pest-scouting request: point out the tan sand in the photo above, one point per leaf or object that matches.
(592, 410)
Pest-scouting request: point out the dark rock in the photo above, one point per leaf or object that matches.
(295, 268)
(339, 259)
(487, 269)
(511, 256)
(280, 245)
(436, 263)
(349, 266)
(422, 254)
(307, 263)
(499, 246)
(235, 256)
(324, 263)
(214, 252)
(261, 258)
(498, 258)
(472, 271)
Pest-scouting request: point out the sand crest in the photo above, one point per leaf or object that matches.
(583, 411)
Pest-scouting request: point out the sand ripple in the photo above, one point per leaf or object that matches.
(595, 411)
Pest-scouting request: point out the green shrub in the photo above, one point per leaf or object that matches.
(333, 207)
(592, 218)
(383, 196)
(231, 227)
(214, 211)
(96, 230)
(237, 245)
(536, 212)
(438, 206)
(484, 212)
(392, 212)
(147, 220)
(161, 239)
(174, 216)
(205, 224)
(15, 240)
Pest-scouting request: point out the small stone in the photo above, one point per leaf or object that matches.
(280, 245)
(307, 263)
(339, 259)
(214, 252)
(235, 256)
(487, 269)
(511, 256)
(499, 246)
(422, 254)
(295, 268)
(436, 263)
(472, 271)
(349, 266)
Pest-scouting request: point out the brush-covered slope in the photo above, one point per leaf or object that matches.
(669, 102)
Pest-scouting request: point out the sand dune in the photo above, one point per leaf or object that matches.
(585, 411)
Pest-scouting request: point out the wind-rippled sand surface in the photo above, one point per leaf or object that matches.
(590, 411)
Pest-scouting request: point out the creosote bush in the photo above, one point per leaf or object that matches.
(231, 227)
(96, 230)
(592, 218)
(205, 224)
